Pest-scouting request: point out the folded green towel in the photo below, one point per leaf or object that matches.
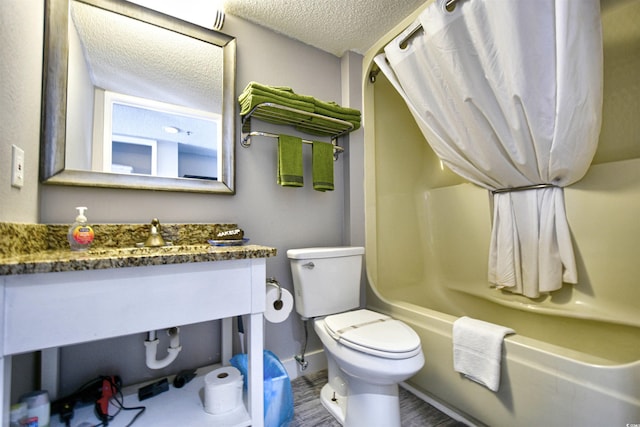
(337, 114)
(322, 166)
(280, 92)
(332, 107)
(333, 110)
(278, 115)
(320, 126)
(284, 97)
(275, 89)
(290, 161)
(250, 101)
(256, 93)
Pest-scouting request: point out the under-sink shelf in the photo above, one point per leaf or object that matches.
(226, 289)
(175, 407)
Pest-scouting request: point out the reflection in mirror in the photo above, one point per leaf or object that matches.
(181, 142)
(147, 106)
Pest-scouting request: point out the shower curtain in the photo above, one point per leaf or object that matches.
(509, 94)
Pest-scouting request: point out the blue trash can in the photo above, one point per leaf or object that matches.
(278, 396)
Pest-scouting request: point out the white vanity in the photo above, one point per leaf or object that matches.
(47, 310)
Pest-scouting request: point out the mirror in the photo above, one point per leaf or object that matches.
(133, 98)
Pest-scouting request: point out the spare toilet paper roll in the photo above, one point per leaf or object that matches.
(38, 406)
(222, 390)
(275, 311)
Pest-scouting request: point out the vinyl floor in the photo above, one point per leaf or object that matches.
(309, 412)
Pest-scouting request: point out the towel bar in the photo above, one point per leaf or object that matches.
(246, 142)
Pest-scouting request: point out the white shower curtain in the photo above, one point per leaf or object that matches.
(508, 93)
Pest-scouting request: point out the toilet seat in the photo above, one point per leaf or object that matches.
(373, 333)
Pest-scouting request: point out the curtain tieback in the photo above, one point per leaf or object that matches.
(523, 188)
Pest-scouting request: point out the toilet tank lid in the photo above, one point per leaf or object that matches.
(332, 252)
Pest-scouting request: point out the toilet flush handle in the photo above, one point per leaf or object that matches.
(309, 265)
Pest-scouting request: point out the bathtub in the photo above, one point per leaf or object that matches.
(575, 357)
(541, 384)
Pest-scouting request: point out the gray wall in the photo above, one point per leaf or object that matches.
(270, 215)
(21, 26)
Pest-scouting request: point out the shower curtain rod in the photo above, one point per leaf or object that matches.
(451, 3)
(449, 6)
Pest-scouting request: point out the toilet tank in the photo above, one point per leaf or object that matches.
(326, 280)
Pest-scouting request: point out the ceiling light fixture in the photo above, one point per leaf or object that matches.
(171, 129)
(199, 12)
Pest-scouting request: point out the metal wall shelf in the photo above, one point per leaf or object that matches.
(304, 121)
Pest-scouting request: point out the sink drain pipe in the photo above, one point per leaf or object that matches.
(151, 344)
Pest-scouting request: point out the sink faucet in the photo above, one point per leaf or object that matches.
(155, 238)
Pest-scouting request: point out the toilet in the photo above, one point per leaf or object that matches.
(368, 353)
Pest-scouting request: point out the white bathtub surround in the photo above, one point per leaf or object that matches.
(508, 112)
(477, 350)
(575, 359)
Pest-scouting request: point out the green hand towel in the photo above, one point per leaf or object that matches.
(290, 161)
(322, 165)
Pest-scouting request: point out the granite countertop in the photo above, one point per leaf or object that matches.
(39, 248)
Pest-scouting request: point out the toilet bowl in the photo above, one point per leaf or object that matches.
(368, 353)
(371, 345)
(363, 378)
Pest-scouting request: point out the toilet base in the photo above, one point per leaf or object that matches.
(367, 405)
(334, 402)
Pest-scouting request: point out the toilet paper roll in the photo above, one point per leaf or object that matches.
(275, 311)
(222, 390)
(38, 406)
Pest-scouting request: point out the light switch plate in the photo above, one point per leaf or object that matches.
(17, 166)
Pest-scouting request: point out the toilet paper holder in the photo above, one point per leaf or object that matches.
(277, 304)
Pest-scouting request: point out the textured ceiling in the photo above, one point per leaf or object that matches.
(335, 26)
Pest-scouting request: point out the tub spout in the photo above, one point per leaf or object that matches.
(151, 345)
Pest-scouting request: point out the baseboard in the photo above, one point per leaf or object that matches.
(316, 361)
